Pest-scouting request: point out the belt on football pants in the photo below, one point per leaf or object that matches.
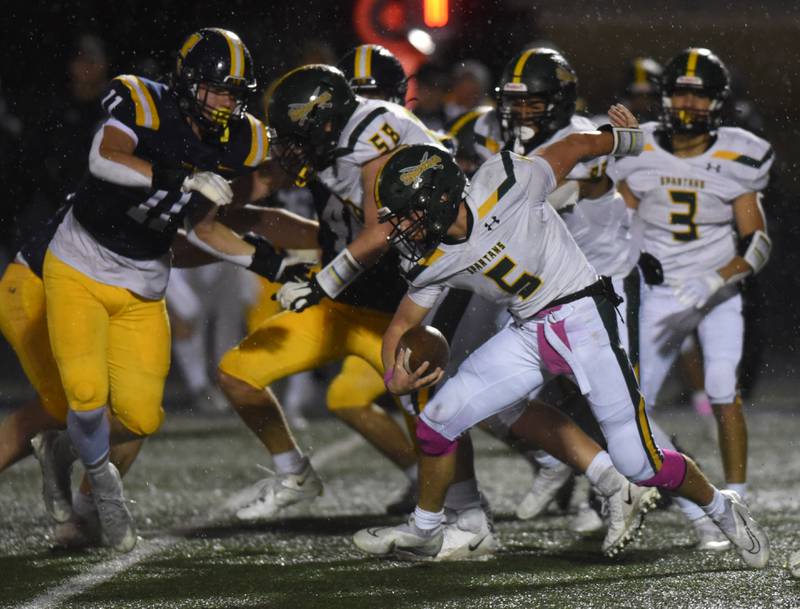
(602, 287)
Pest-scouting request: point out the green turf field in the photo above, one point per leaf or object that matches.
(190, 555)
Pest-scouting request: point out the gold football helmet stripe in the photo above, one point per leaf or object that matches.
(647, 435)
(459, 124)
(146, 111)
(188, 46)
(259, 142)
(691, 63)
(640, 74)
(520, 65)
(363, 62)
(236, 48)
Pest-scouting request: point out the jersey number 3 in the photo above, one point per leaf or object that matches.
(525, 285)
(688, 198)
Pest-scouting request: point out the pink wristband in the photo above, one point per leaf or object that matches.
(387, 377)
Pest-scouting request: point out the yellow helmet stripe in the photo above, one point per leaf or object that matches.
(368, 71)
(236, 48)
(517, 77)
(146, 112)
(258, 142)
(691, 63)
(189, 45)
(640, 77)
(464, 120)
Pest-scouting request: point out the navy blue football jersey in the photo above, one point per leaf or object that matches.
(140, 223)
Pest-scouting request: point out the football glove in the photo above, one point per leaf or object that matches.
(297, 296)
(276, 266)
(212, 186)
(696, 291)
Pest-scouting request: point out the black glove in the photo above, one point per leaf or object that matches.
(297, 296)
(275, 266)
(651, 269)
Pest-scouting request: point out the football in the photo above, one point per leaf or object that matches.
(427, 344)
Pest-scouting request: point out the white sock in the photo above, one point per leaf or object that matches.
(463, 495)
(600, 463)
(545, 459)
(739, 487)
(716, 509)
(427, 521)
(290, 462)
(412, 473)
(690, 509)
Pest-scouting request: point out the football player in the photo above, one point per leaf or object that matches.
(162, 159)
(563, 322)
(334, 142)
(695, 189)
(375, 73)
(642, 88)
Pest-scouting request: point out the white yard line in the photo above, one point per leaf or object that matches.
(109, 569)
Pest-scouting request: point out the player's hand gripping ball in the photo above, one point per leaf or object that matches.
(426, 344)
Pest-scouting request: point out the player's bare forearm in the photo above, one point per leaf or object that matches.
(564, 154)
(736, 267)
(282, 228)
(218, 236)
(267, 179)
(118, 147)
(370, 244)
(408, 315)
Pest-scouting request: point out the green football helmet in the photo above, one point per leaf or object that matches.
(419, 190)
(307, 109)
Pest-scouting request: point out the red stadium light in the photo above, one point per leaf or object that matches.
(435, 12)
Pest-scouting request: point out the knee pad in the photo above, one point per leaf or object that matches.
(671, 474)
(432, 443)
(86, 395)
(720, 381)
(142, 422)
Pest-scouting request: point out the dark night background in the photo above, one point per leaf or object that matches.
(40, 152)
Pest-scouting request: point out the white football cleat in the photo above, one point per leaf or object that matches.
(56, 481)
(82, 530)
(586, 522)
(405, 541)
(282, 491)
(468, 534)
(116, 522)
(626, 509)
(546, 484)
(709, 536)
(744, 532)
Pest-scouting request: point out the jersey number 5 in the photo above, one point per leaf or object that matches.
(525, 285)
(688, 198)
(379, 141)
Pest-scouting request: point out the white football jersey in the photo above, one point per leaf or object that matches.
(375, 128)
(685, 204)
(518, 253)
(599, 226)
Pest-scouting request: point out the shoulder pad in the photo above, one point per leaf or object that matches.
(741, 146)
(132, 100)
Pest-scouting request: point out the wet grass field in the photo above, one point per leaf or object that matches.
(192, 554)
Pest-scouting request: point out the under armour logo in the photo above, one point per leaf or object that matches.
(489, 225)
(712, 167)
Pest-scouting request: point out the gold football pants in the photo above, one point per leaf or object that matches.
(111, 346)
(289, 343)
(23, 322)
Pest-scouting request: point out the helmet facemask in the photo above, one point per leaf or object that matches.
(691, 121)
(525, 116)
(213, 120)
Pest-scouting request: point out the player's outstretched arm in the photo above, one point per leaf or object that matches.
(397, 378)
(621, 138)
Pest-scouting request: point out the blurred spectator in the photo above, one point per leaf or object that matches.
(470, 84)
(56, 148)
(432, 85)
